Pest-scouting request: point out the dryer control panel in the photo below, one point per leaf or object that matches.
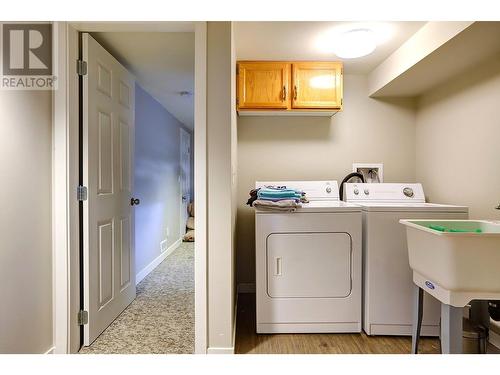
(385, 192)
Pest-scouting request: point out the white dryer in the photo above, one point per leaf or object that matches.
(308, 263)
(387, 278)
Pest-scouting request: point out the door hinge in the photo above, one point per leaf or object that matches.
(81, 67)
(83, 317)
(81, 193)
(237, 101)
(237, 69)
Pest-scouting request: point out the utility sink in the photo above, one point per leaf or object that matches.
(456, 261)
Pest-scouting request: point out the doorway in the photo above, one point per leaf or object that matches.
(132, 100)
(114, 271)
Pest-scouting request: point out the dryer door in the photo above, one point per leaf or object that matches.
(309, 265)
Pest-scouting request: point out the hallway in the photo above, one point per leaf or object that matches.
(161, 318)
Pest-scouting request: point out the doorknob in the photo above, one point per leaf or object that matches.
(135, 201)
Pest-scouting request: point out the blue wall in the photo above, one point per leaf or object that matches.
(157, 164)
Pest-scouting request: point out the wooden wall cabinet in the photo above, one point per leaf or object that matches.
(263, 85)
(278, 87)
(317, 85)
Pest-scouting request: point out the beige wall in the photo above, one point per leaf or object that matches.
(458, 141)
(25, 222)
(221, 161)
(316, 148)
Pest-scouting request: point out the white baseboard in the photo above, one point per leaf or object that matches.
(151, 266)
(228, 350)
(246, 288)
(51, 350)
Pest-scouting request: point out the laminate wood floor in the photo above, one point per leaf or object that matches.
(247, 341)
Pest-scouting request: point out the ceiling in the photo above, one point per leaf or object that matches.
(301, 41)
(163, 64)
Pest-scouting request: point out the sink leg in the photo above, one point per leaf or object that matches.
(418, 307)
(451, 329)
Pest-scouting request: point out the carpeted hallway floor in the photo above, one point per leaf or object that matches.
(161, 318)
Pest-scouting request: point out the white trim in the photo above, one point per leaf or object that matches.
(135, 26)
(65, 168)
(65, 179)
(228, 350)
(156, 262)
(200, 190)
(51, 350)
(246, 288)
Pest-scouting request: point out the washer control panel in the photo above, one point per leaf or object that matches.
(384, 192)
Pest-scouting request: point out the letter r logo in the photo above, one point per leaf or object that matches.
(27, 49)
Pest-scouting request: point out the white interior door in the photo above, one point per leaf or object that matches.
(185, 177)
(108, 139)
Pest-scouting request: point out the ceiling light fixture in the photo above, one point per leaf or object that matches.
(354, 43)
(351, 40)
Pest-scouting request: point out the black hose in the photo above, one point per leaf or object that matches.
(346, 179)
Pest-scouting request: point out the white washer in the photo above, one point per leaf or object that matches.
(308, 263)
(387, 278)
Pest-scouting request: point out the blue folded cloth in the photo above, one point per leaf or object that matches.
(269, 192)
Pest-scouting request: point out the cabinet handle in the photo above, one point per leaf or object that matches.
(295, 92)
(284, 93)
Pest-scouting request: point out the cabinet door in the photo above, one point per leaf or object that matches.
(263, 85)
(317, 85)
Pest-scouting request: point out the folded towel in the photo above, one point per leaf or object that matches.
(273, 199)
(283, 193)
(276, 194)
(287, 205)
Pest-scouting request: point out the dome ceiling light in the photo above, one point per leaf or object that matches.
(353, 40)
(354, 43)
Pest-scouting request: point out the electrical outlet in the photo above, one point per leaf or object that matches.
(168, 232)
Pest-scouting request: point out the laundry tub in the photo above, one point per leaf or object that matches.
(455, 260)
